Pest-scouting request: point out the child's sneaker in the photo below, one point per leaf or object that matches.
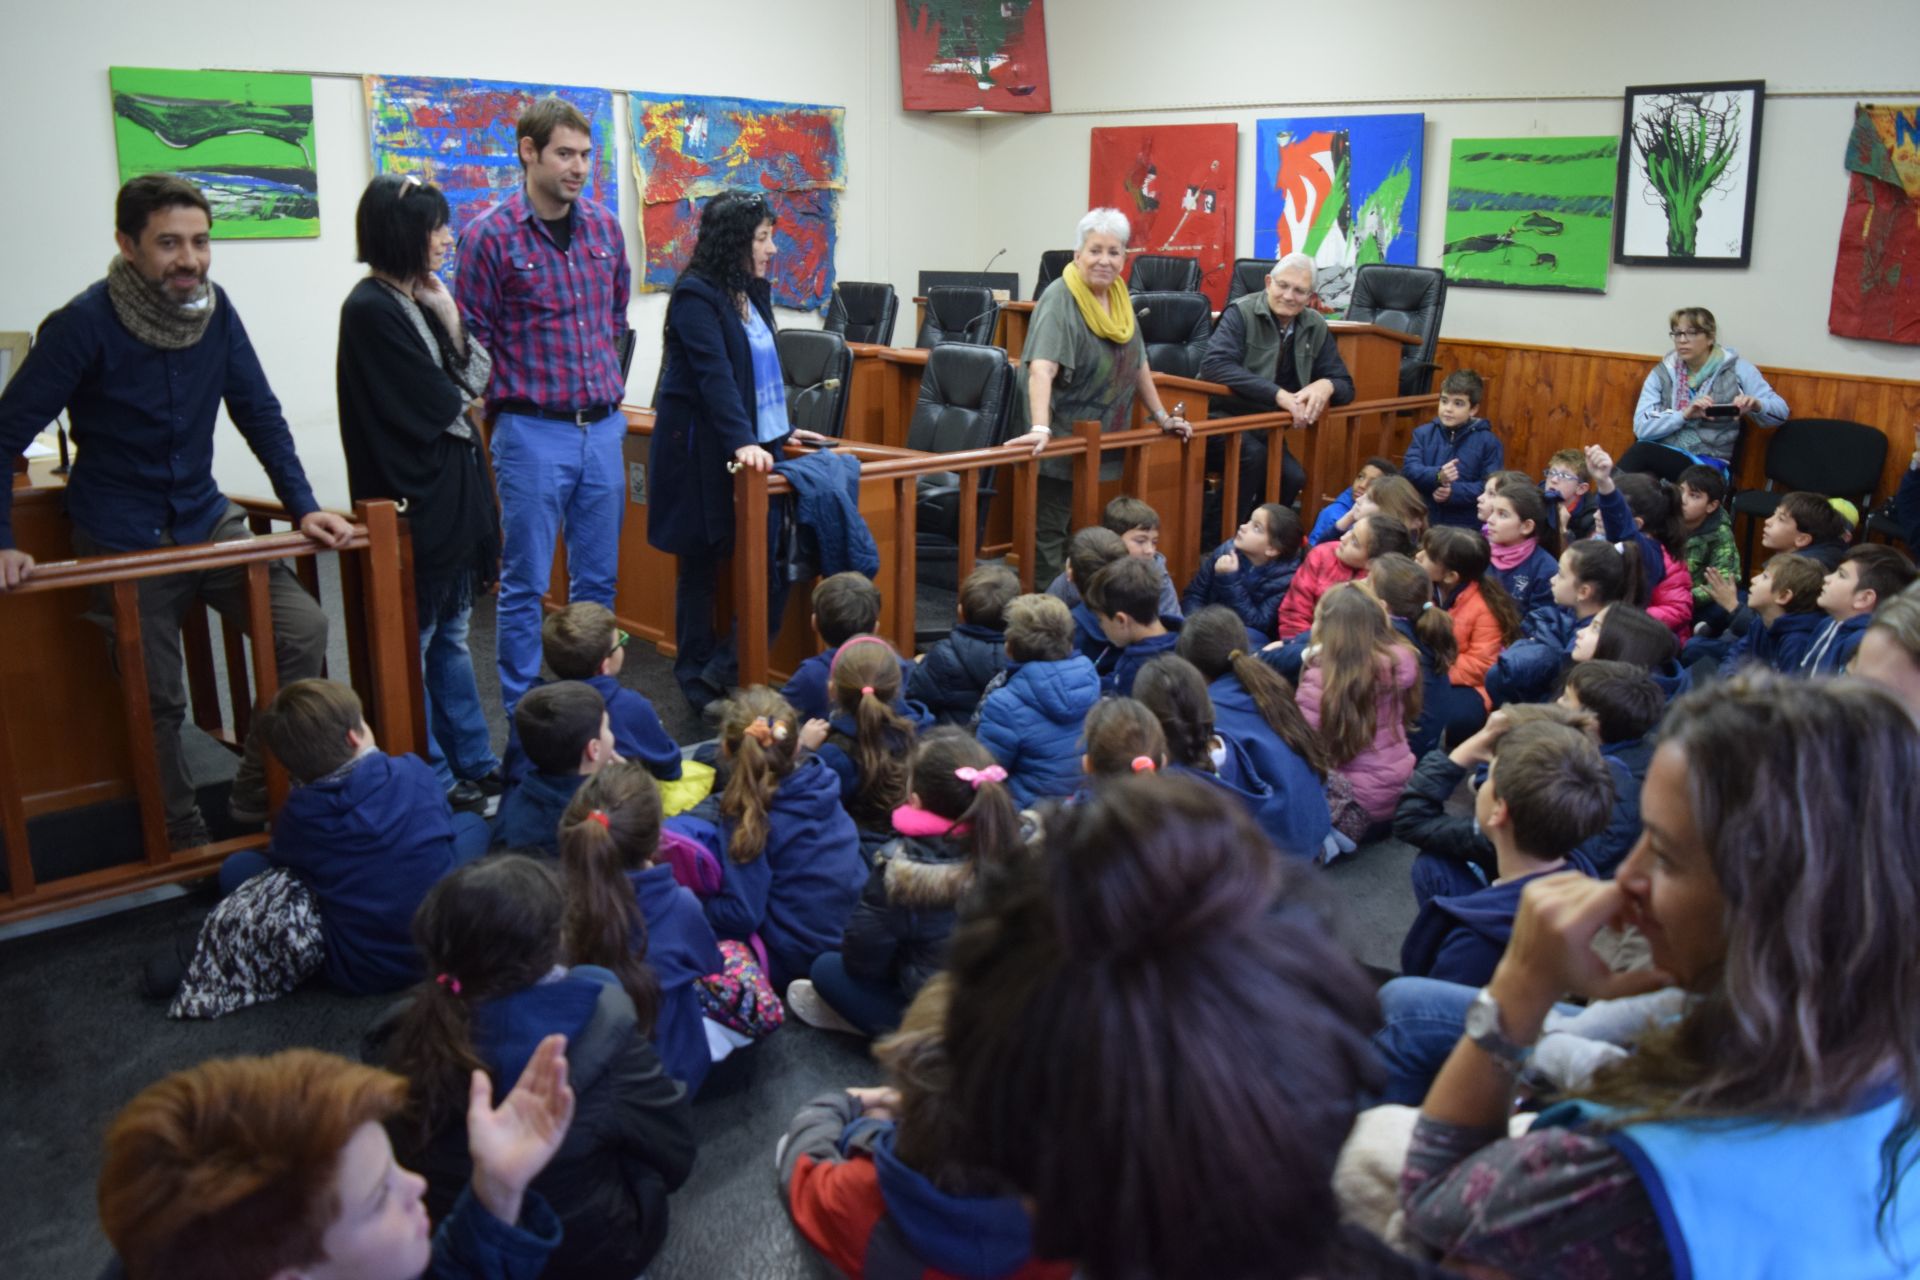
(810, 1008)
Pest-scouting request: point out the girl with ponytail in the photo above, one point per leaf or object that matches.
(867, 741)
(1485, 619)
(627, 913)
(490, 934)
(958, 820)
(789, 852)
(1643, 513)
(1448, 713)
(1254, 709)
(1123, 737)
(1360, 688)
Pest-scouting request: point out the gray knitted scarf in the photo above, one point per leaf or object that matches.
(150, 315)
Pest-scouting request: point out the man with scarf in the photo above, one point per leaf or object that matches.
(141, 362)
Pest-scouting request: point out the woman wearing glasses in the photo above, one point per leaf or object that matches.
(407, 371)
(1694, 399)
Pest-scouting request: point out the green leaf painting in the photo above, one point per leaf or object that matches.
(1531, 213)
(244, 138)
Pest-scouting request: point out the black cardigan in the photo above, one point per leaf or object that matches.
(397, 400)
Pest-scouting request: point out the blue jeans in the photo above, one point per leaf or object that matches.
(1424, 1020)
(458, 744)
(469, 844)
(876, 1010)
(553, 476)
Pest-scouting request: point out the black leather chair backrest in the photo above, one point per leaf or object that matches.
(1249, 276)
(1052, 263)
(1164, 273)
(818, 370)
(966, 402)
(862, 311)
(1833, 456)
(959, 313)
(1175, 327)
(1410, 299)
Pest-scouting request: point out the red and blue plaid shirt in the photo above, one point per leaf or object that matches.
(552, 321)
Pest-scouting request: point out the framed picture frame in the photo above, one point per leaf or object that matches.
(1689, 172)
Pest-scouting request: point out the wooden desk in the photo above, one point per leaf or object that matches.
(885, 387)
(1011, 331)
(1372, 355)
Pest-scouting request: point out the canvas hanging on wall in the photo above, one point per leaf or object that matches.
(1345, 190)
(973, 55)
(460, 135)
(1530, 213)
(688, 149)
(1175, 183)
(1876, 277)
(244, 138)
(1689, 172)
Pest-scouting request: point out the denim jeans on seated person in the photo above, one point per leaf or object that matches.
(469, 844)
(1423, 1019)
(876, 1010)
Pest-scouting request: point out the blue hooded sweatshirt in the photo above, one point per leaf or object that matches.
(957, 1235)
(1296, 817)
(1530, 667)
(530, 812)
(1121, 665)
(809, 692)
(637, 732)
(1627, 762)
(1833, 645)
(1530, 582)
(1088, 637)
(1254, 592)
(1296, 828)
(1480, 454)
(955, 671)
(1779, 646)
(1033, 724)
(1460, 938)
(680, 950)
(369, 842)
(798, 893)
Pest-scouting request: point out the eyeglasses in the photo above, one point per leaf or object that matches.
(1677, 334)
(1556, 473)
(620, 639)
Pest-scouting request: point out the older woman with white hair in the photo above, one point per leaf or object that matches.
(1274, 352)
(1085, 361)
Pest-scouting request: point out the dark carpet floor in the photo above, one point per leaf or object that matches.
(79, 1041)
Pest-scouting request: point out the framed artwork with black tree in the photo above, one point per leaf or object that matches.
(1689, 173)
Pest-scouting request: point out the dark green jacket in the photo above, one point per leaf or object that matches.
(1246, 347)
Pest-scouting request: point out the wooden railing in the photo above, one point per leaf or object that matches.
(383, 654)
(1332, 447)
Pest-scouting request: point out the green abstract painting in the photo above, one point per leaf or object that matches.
(1531, 213)
(244, 138)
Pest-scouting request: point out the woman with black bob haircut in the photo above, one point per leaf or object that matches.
(1156, 1037)
(721, 401)
(406, 372)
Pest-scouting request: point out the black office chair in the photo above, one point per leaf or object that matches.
(1829, 456)
(1052, 263)
(1175, 327)
(818, 369)
(1410, 299)
(966, 402)
(1249, 276)
(959, 313)
(1652, 458)
(862, 311)
(1164, 273)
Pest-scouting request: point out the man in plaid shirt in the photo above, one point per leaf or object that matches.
(543, 286)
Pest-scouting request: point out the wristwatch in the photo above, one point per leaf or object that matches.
(1484, 1029)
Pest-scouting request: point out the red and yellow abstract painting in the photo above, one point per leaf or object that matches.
(1175, 184)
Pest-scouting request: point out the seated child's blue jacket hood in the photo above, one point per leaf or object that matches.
(959, 1235)
(507, 1029)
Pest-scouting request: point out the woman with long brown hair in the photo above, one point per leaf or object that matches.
(1768, 1129)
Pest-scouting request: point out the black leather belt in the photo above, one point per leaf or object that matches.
(578, 417)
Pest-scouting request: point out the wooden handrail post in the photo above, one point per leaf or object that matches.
(906, 569)
(1193, 480)
(130, 650)
(1026, 515)
(1276, 463)
(750, 574)
(266, 668)
(1230, 487)
(1086, 477)
(969, 525)
(13, 823)
(390, 650)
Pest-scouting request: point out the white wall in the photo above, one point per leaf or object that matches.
(910, 179)
(1254, 59)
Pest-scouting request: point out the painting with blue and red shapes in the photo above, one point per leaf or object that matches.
(460, 135)
(688, 149)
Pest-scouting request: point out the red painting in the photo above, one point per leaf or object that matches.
(1175, 184)
(973, 55)
(1876, 276)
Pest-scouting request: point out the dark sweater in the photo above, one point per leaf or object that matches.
(953, 675)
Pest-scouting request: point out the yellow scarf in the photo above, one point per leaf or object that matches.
(1114, 322)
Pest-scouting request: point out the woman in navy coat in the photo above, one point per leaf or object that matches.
(721, 400)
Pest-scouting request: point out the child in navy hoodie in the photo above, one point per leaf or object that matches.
(1137, 525)
(1807, 524)
(1780, 620)
(1123, 596)
(1867, 575)
(1627, 704)
(844, 606)
(583, 642)
(1450, 458)
(950, 678)
(789, 852)
(871, 1179)
(565, 732)
(1250, 574)
(367, 832)
(627, 914)
(1032, 722)
(1091, 550)
(1547, 791)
